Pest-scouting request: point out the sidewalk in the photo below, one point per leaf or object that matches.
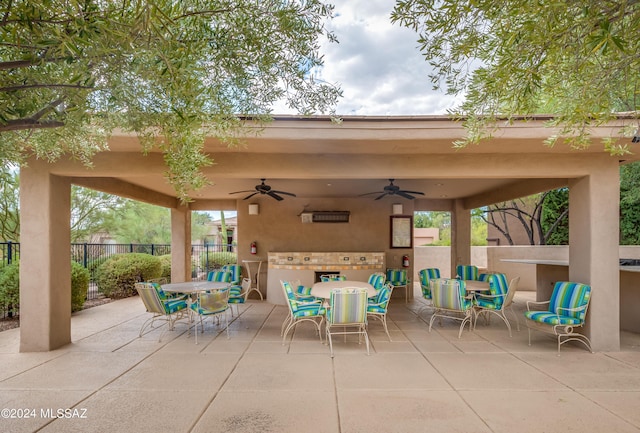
(109, 380)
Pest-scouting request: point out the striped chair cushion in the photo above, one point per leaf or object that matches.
(397, 277)
(308, 310)
(498, 287)
(236, 272)
(348, 306)
(451, 295)
(333, 277)
(425, 276)
(161, 293)
(467, 272)
(219, 276)
(381, 302)
(551, 318)
(377, 280)
(570, 295)
(171, 306)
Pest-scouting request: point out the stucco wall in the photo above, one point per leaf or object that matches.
(278, 227)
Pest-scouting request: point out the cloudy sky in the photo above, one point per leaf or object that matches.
(378, 64)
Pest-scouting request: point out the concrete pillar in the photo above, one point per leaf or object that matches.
(45, 259)
(181, 244)
(460, 236)
(593, 250)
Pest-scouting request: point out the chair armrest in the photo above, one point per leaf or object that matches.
(572, 310)
(316, 302)
(536, 304)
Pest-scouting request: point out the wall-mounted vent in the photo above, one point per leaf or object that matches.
(336, 216)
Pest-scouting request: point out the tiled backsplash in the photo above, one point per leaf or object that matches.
(374, 259)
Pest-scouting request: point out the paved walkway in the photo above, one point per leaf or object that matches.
(109, 380)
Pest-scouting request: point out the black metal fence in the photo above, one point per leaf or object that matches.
(204, 257)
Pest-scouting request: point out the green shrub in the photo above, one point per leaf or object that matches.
(166, 266)
(79, 285)
(10, 288)
(217, 259)
(117, 276)
(94, 264)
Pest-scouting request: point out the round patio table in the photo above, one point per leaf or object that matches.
(190, 287)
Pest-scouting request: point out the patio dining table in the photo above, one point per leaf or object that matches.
(191, 287)
(323, 289)
(476, 286)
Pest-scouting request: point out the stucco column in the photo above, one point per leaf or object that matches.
(593, 250)
(460, 236)
(45, 260)
(181, 244)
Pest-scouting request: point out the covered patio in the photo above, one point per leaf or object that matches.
(328, 165)
(109, 379)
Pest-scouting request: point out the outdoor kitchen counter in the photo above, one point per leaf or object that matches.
(305, 267)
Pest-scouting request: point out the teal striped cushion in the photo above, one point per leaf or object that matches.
(219, 276)
(236, 272)
(551, 318)
(376, 309)
(570, 295)
(309, 310)
(498, 287)
(377, 281)
(171, 306)
(425, 276)
(467, 272)
(397, 277)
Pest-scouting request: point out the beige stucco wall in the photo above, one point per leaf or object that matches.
(278, 227)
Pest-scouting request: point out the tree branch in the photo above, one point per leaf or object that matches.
(42, 86)
(22, 124)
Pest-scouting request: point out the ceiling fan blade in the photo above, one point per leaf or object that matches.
(250, 195)
(381, 195)
(412, 192)
(246, 190)
(284, 192)
(274, 195)
(369, 193)
(405, 195)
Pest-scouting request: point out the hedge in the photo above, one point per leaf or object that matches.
(117, 276)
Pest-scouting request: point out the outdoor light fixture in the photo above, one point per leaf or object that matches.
(397, 209)
(254, 209)
(635, 139)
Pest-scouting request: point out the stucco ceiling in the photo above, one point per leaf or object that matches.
(315, 157)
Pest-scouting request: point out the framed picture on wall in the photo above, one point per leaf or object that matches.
(401, 231)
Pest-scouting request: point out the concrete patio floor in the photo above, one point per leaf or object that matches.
(110, 380)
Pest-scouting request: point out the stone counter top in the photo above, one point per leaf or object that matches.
(326, 267)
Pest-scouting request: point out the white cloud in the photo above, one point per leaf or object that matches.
(377, 64)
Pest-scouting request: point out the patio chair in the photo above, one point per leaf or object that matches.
(301, 311)
(378, 307)
(500, 295)
(398, 278)
(426, 275)
(303, 293)
(169, 310)
(211, 304)
(566, 310)
(347, 314)
(219, 276)
(450, 301)
(239, 296)
(467, 272)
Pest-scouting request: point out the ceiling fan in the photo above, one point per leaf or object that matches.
(263, 188)
(392, 189)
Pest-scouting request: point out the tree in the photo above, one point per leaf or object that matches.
(90, 211)
(171, 71)
(630, 204)
(542, 217)
(141, 223)
(575, 59)
(9, 206)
